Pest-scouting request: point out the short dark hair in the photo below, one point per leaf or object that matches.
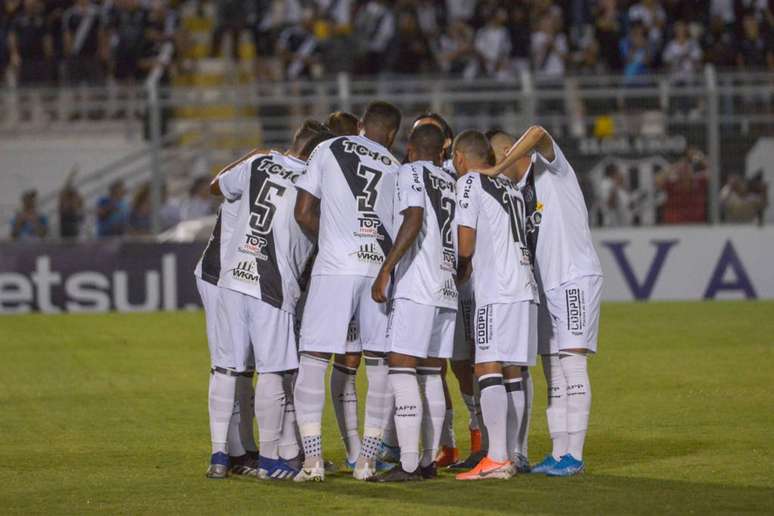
(427, 139)
(447, 130)
(307, 130)
(342, 123)
(475, 143)
(382, 116)
(313, 142)
(491, 133)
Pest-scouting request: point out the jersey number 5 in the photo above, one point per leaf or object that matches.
(264, 208)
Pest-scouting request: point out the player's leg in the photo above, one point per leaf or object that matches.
(448, 452)
(327, 313)
(522, 322)
(344, 396)
(243, 453)
(290, 441)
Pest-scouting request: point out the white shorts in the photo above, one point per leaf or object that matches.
(463, 330)
(506, 332)
(244, 320)
(333, 302)
(353, 332)
(419, 330)
(569, 316)
(220, 348)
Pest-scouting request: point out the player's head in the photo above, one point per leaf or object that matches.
(342, 123)
(426, 144)
(501, 142)
(313, 142)
(381, 122)
(430, 117)
(307, 130)
(471, 150)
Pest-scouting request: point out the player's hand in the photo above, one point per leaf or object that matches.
(379, 287)
(491, 171)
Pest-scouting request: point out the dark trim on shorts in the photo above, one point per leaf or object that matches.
(229, 372)
(513, 386)
(490, 382)
(345, 369)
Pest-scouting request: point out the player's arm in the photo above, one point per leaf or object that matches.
(466, 242)
(307, 213)
(230, 183)
(215, 184)
(536, 138)
(407, 234)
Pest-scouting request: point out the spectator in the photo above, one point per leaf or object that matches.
(718, 43)
(139, 222)
(199, 203)
(493, 45)
(342, 124)
(519, 29)
(375, 26)
(31, 45)
(128, 21)
(549, 48)
(651, 15)
(739, 202)
(755, 50)
(685, 188)
(83, 37)
(460, 9)
(682, 54)
(607, 32)
(430, 16)
(614, 198)
(410, 51)
(112, 211)
(456, 55)
(28, 223)
(636, 54)
(298, 48)
(70, 212)
(229, 18)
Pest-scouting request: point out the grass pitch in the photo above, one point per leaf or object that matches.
(108, 413)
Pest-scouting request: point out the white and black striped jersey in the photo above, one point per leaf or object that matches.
(426, 273)
(210, 264)
(267, 251)
(502, 268)
(354, 178)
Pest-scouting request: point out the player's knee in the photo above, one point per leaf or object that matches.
(488, 368)
(351, 360)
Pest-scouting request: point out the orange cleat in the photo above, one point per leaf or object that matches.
(488, 469)
(447, 456)
(475, 441)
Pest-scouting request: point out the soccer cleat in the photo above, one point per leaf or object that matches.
(430, 471)
(218, 469)
(244, 465)
(541, 468)
(488, 469)
(397, 474)
(389, 453)
(521, 462)
(475, 440)
(470, 462)
(568, 466)
(447, 456)
(275, 469)
(313, 474)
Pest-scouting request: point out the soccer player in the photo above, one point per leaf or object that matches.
(261, 267)
(345, 202)
(421, 325)
(570, 275)
(342, 123)
(490, 215)
(231, 422)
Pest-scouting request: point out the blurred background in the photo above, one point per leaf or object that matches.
(114, 114)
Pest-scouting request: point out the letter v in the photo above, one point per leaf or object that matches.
(640, 291)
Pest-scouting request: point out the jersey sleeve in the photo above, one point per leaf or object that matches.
(411, 188)
(468, 204)
(311, 180)
(559, 165)
(232, 183)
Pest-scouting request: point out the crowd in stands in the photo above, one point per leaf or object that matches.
(86, 41)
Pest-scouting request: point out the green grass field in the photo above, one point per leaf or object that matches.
(108, 413)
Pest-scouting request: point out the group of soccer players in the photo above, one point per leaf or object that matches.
(474, 250)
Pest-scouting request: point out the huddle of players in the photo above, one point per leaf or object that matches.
(396, 251)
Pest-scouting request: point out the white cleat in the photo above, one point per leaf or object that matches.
(363, 473)
(313, 474)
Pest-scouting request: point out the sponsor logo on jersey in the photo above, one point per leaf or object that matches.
(368, 253)
(254, 245)
(468, 185)
(352, 331)
(369, 226)
(441, 184)
(246, 271)
(268, 165)
(483, 327)
(576, 308)
(449, 290)
(362, 150)
(449, 260)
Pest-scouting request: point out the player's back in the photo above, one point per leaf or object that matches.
(494, 207)
(426, 273)
(209, 265)
(267, 252)
(354, 178)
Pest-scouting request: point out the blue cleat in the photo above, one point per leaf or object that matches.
(378, 465)
(548, 463)
(389, 453)
(275, 469)
(219, 465)
(568, 466)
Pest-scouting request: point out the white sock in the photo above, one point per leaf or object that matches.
(433, 412)
(290, 442)
(515, 391)
(344, 397)
(494, 409)
(221, 407)
(408, 414)
(474, 411)
(575, 369)
(378, 405)
(529, 395)
(556, 412)
(235, 446)
(390, 435)
(448, 438)
(269, 412)
(309, 397)
(246, 396)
